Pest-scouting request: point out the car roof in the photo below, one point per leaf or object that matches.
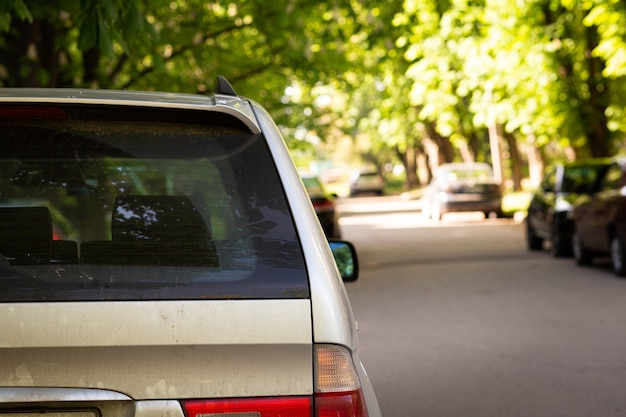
(234, 105)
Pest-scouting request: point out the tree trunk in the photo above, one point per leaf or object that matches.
(535, 162)
(445, 150)
(466, 153)
(409, 161)
(423, 172)
(495, 133)
(515, 161)
(596, 121)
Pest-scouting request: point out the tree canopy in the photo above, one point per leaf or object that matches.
(417, 82)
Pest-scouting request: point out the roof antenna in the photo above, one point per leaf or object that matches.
(223, 87)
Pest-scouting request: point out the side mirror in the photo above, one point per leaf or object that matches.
(346, 259)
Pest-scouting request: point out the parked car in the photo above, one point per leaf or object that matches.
(366, 182)
(462, 187)
(600, 221)
(549, 211)
(193, 277)
(324, 205)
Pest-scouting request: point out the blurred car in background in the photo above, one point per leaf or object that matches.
(600, 221)
(549, 211)
(462, 187)
(366, 182)
(324, 205)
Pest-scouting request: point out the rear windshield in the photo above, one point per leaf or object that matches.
(106, 203)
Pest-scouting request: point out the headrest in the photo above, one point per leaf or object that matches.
(25, 235)
(157, 219)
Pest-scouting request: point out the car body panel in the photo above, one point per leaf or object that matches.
(172, 345)
(89, 324)
(593, 218)
(80, 402)
(333, 318)
(47, 394)
(330, 302)
(599, 216)
(219, 103)
(181, 372)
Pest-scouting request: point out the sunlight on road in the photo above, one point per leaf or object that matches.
(414, 220)
(387, 221)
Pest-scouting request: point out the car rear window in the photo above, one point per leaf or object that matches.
(581, 178)
(119, 203)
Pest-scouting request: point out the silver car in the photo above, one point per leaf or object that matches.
(366, 182)
(161, 257)
(462, 187)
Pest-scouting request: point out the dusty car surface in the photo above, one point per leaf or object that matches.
(549, 212)
(462, 187)
(600, 221)
(160, 257)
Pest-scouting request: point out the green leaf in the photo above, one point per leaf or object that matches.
(104, 39)
(22, 11)
(88, 31)
(110, 9)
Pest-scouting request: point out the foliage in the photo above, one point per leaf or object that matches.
(10, 9)
(414, 81)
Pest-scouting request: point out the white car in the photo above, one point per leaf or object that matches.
(366, 182)
(161, 257)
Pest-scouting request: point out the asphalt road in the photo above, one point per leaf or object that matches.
(458, 319)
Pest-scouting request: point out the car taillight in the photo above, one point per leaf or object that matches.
(337, 394)
(337, 387)
(323, 205)
(28, 113)
(257, 407)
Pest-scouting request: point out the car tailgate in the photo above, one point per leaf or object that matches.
(160, 350)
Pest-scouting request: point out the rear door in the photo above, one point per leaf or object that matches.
(163, 264)
(595, 217)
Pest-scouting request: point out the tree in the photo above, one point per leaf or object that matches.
(416, 81)
(179, 46)
(533, 71)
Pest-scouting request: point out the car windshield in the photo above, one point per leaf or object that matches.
(105, 203)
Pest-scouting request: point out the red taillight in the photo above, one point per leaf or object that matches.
(262, 407)
(29, 113)
(340, 404)
(323, 205)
